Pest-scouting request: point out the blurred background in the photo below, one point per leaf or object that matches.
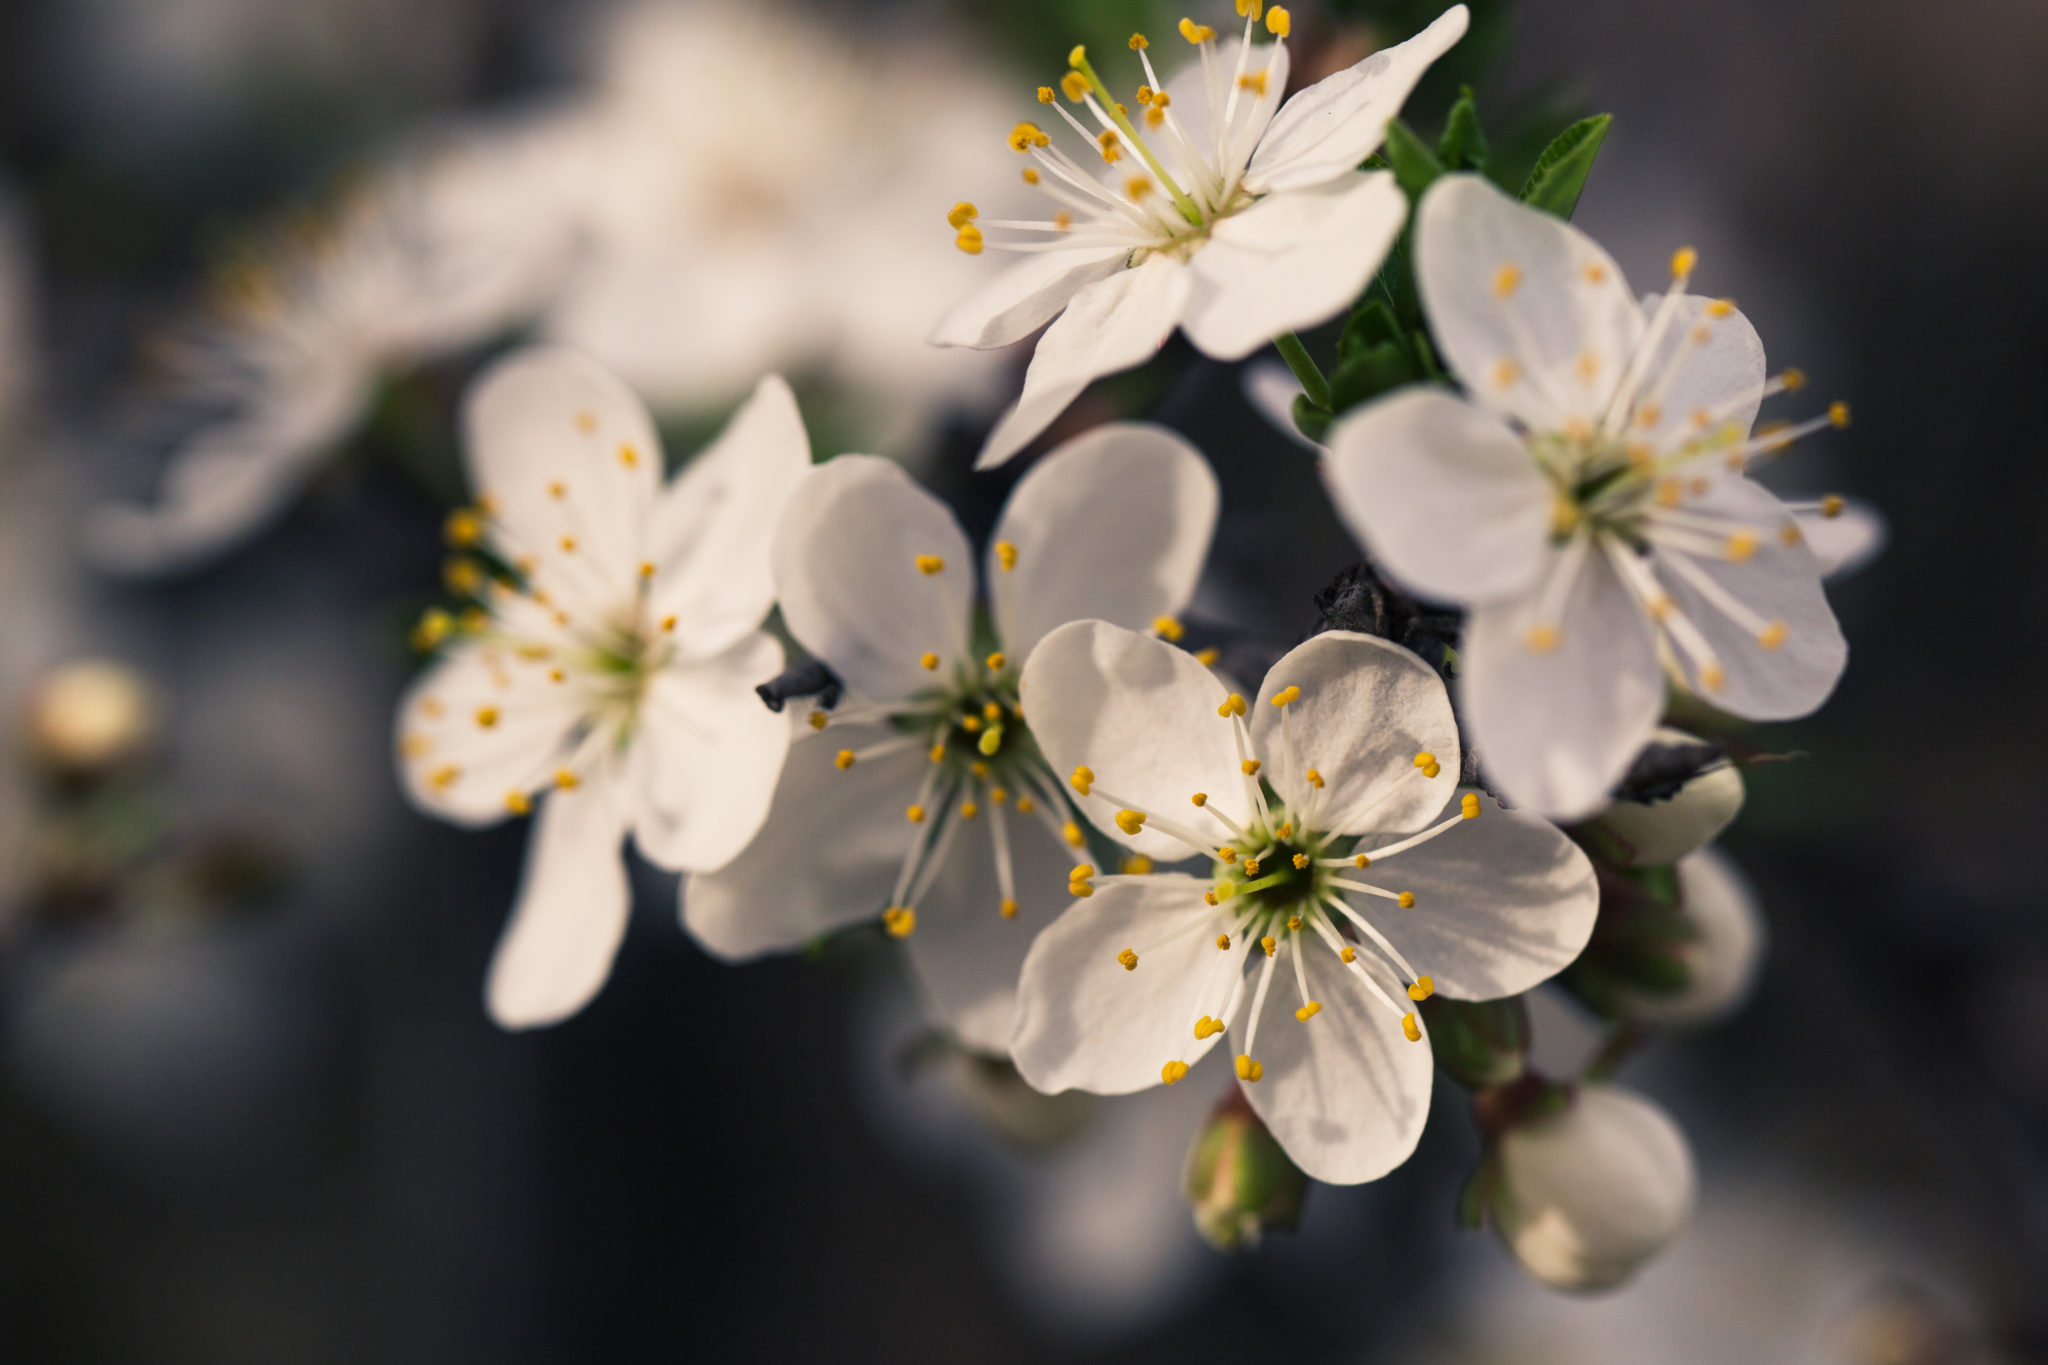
(250, 1107)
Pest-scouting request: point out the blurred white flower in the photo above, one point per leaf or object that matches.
(1251, 219)
(1355, 737)
(1655, 832)
(1725, 958)
(876, 579)
(447, 248)
(1586, 1196)
(756, 187)
(612, 683)
(1588, 502)
(89, 716)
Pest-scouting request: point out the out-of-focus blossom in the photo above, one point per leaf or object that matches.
(1239, 1183)
(876, 579)
(1588, 501)
(1723, 960)
(757, 194)
(1234, 218)
(1355, 737)
(1584, 1197)
(89, 717)
(1662, 822)
(611, 682)
(451, 246)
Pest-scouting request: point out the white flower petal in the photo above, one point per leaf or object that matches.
(705, 533)
(1025, 296)
(1086, 1023)
(570, 913)
(827, 856)
(1846, 541)
(1329, 128)
(1726, 956)
(480, 727)
(1718, 382)
(1502, 902)
(1443, 494)
(1344, 1092)
(705, 759)
(1142, 715)
(1555, 730)
(966, 955)
(1588, 1195)
(1532, 314)
(1291, 261)
(1111, 325)
(547, 420)
(1659, 833)
(1780, 583)
(846, 556)
(1367, 708)
(1114, 525)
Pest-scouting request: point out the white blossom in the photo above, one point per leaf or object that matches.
(611, 687)
(1228, 214)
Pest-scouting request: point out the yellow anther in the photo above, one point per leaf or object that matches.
(914, 814)
(1831, 506)
(1031, 175)
(1712, 678)
(1006, 555)
(444, 777)
(1207, 657)
(1139, 42)
(978, 768)
(818, 720)
(1279, 22)
(1361, 861)
(1025, 136)
(1080, 872)
(1080, 889)
(1196, 33)
(1173, 1071)
(1222, 940)
(434, 626)
(1309, 1011)
(1045, 96)
(1146, 94)
(463, 527)
(1794, 379)
(1347, 954)
(1838, 413)
(1789, 536)
(1008, 908)
(1129, 959)
(1506, 374)
(1227, 854)
(1294, 923)
(1063, 220)
(628, 455)
(1424, 759)
(1286, 831)
(1469, 806)
(968, 810)
(938, 753)
(1587, 366)
(1432, 770)
(1083, 779)
(1773, 635)
(844, 759)
(519, 803)
(1250, 9)
(558, 490)
(1720, 308)
(1315, 779)
(1564, 516)
(1683, 261)
(993, 711)
(1210, 897)
(586, 421)
(998, 795)
(962, 214)
(929, 660)
(1506, 280)
(566, 780)
(1424, 987)
(1130, 821)
(486, 716)
(668, 624)
(1254, 81)
(1206, 1027)
(557, 675)
(1406, 900)
(1137, 865)
(1739, 547)
(1287, 696)
(1166, 628)
(1247, 1069)
(1233, 705)
(930, 564)
(415, 746)
(1300, 861)
(1410, 1029)
(1270, 944)
(971, 724)
(1200, 798)
(1107, 140)
(1025, 805)
(474, 619)
(899, 920)
(1250, 767)
(1070, 831)
(1541, 639)
(462, 576)
(1075, 85)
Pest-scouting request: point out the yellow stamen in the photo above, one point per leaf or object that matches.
(1200, 798)
(1025, 805)
(1222, 940)
(1129, 959)
(1410, 1029)
(968, 810)
(1361, 861)
(1507, 280)
(914, 814)
(1773, 635)
(1250, 767)
(899, 920)
(1831, 506)
(1168, 629)
(1006, 555)
(962, 214)
(1130, 821)
(1139, 42)
(1270, 944)
(567, 781)
(1505, 374)
(1070, 831)
(1207, 657)
(929, 660)
(1045, 95)
(1026, 136)
(586, 421)
(444, 777)
(1406, 900)
(1206, 1027)
(844, 759)
(486, 716)
(1075, 85)
(930, 564)
(1683, 261)
(1107, 140)
(1309, 1011)
(1347, 954)
(1315, 779)
(818, 720)
(1247, 1069)
(1009, 909)
(938, 753)
(1279, 22)
(1469, 806)
(1720, 308)
(1250, 9)
(1173, 1071)
(628, 456)
(463, 527)
(519, 803)
(1838, 413)
(1137, 865)
(1739, 547)
(1083, 779)
(1541, 639)
(1287, 696)
(1300, 861)
(1712, 678)
(668, 624)
(568, 545)
(1233, 705)
(1423, 988)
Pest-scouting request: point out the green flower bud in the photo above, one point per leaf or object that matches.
(1478, 1043)
(1239, 1183)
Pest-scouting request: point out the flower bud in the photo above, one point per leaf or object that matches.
(87, 718)
(1478, 1043)
(1678, 796)
(1721, 960)
(1239, 1183)
(1586, 1195)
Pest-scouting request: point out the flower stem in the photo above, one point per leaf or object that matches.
(1304, 366)
(1620, 1045)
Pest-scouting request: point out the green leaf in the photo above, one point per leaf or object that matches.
(1415, 166)
(1463, 145)
(1560, 174)
(1375, 370)
(1370, 324)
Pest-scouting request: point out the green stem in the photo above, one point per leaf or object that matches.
(1304, 366)
(1620, 1045)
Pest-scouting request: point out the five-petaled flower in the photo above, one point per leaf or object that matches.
(1340, 851)
(1588, 501)
(608, 678)
(931, 748)
(1227, 213)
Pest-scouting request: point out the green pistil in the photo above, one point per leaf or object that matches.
(1078, 59)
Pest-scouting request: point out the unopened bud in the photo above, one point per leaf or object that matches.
(1678, 796)
(1722, 957)
(1239, 1183)
(1478, 1043)
(87, 718)
(1585, 1196)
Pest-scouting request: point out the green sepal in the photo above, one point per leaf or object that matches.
(1560, 174)
(1374, 371)
(1310, 420)
(1479, 1043)
(1463, 145)
(1414, 165)
(1475, 1195)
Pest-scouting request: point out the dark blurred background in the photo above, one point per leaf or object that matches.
(279, 1127)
